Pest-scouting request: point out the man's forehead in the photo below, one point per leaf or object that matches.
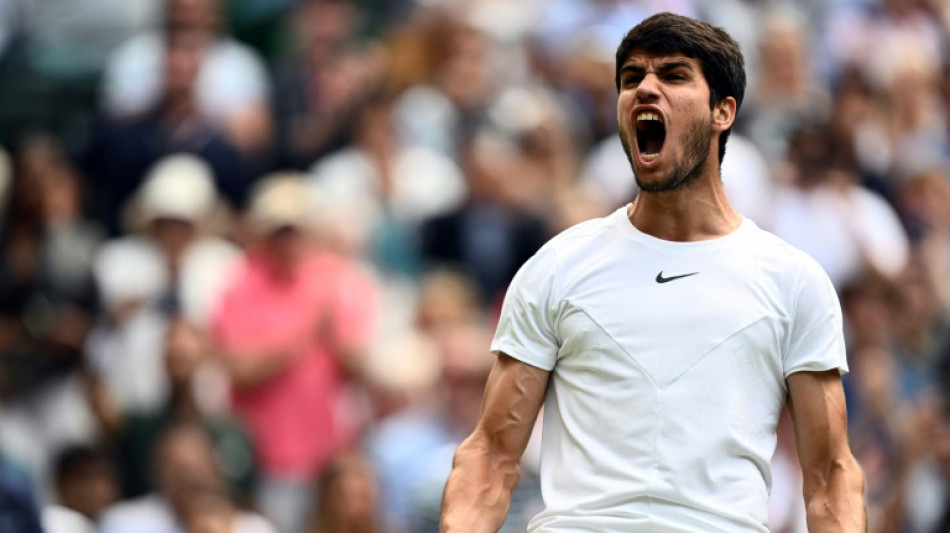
(640, 58)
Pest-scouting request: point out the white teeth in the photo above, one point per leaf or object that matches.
(647, 116)
(649, 157)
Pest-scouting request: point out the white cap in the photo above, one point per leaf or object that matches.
(280, 199)
(178, 186)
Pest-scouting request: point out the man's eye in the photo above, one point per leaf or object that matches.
(676, 77)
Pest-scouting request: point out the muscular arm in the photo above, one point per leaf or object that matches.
(833, 481)
(485, 469)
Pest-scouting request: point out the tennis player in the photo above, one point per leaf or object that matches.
(665, 339)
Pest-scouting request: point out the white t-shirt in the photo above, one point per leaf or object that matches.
(668, 365)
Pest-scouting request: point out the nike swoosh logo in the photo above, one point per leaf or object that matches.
(661, 279)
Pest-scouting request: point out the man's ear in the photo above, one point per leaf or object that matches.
(724, 114)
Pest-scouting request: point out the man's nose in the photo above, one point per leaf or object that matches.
(648, 89)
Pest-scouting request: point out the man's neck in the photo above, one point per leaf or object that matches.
(695, 212)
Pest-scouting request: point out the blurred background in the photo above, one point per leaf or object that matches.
(252, 251)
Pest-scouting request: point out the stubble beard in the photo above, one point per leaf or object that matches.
(688, 169)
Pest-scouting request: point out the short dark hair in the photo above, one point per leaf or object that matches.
(717, 52)
(77, 460)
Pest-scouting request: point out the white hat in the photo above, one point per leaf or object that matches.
(280, 199)
(178, 186)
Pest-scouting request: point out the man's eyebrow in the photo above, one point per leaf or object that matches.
(664, 67)
(633, 68)
(673, 65)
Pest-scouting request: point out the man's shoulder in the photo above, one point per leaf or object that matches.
(562, 253)
(776, 255)
(767, 244)
(580, 235)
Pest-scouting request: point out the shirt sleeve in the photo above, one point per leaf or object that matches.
(526, 328)
(816, 336)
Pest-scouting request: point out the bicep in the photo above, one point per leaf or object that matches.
(817, 406)
(513, 397)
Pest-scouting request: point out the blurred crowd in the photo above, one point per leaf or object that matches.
(253, 251)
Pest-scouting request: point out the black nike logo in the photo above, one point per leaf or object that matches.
(661, 279)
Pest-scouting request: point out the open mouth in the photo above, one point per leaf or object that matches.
(651, 132)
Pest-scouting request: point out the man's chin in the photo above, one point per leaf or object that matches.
(653, 181)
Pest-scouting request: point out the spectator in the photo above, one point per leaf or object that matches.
(293, 330)
(448, 82)
(123, 149)
(48, 302)
(196, 395)
(405, 184)
(406, 368)
(320, 85)
(921, 487)
(787, 89)
(48, 296)
(874, 429)
(922, 333)
(487, 237)
(545, 156)
(913, 125)
(86, 484)
(412, 450)
(870, 303)
(844, 226)
(896, 29)
(923, 199)
(348, 497)
(185, 466)
(231, 88)
(575, 44)
(169, 267)
(854, 137)
(448, 300)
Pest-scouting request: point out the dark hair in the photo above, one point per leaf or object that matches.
(718, 54)
(76, 460)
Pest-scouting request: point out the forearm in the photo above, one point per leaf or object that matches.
(835, 500)
(478, 491)
(250, 371)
